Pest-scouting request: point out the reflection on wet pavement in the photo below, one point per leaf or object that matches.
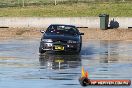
(54, 61)
(21, 66)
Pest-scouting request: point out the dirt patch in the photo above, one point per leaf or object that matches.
(111, 34)
(9, 33)
(20, 32)
(90, 34)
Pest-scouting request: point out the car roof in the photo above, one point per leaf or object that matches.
(62, 25)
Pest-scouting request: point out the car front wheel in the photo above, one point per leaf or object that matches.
(79, 48)
(41, 51)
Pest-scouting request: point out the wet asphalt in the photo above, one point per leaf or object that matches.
(21, 66)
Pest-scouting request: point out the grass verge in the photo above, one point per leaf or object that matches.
(69, 10)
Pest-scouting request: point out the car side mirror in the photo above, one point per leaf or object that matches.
(42, 31)
(81, 33)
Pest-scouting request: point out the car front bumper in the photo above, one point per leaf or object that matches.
(60, 47)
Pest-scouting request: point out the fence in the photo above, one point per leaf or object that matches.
(22, 3)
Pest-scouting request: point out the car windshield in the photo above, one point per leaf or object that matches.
(62, 30)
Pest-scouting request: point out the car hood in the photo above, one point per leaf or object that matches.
(61, 37)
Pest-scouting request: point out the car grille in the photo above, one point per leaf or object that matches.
(59, 41)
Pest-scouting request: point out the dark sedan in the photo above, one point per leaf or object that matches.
(60, 37)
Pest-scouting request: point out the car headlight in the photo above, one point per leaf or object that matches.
(47, 40)
(71, 41)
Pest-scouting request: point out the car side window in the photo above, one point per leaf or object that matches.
(71, 31)
(51, 29)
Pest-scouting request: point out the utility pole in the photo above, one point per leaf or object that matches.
(23, 3)
(55, 2)
(18, 2)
